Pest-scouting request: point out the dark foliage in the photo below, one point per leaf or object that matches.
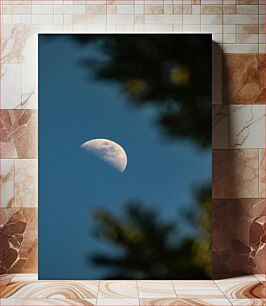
(150, 248)
(171, 72)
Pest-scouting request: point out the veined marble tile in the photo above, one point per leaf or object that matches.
(26, 184)
(156, 289)
(248, 302)
(28, 90)
(18, 130)
(243, 79)
(19, 43)
(119, 19)
(10, 85)
(241, 49)
(246, 126)
(238, 242)
(48, 302)
(248, 29)
(184, 302)
(118, 289)
(18, 231)
(235, 173)
(7, 179)
(212, 9)
(220, 124)
(51, 290)
(242, 287)
(197, 289)
(158, 28)
(117, 302)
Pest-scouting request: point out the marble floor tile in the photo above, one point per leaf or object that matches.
(184, 302)
(159, 302)
(261, 277)
(242, 288)
(154, 289)
(197, 289)
(117, 302)
(118, 289)
(248, 302)
(5, 279)
(7, 183)
(48, 302)
(51, 289)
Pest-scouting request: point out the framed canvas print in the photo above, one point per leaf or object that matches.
(124, 156)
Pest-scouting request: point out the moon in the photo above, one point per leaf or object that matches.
(108, 151)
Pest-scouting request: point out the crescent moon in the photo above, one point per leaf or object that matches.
(108, 151)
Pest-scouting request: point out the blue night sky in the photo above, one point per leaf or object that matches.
(73, 182)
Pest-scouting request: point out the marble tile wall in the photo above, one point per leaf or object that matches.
(238, 29)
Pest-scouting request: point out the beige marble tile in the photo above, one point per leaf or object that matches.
(156, 289)
(10, 85)
(197, 289)
(28, 87)
(26, 183)
(240, 19)
(240, 48)
(118, 289)
(51, 290)
(242, 287)
(18, 44)
(117, 302)
(7, 182)
(153, 9)
(211, 9)
(247, 9)
(248, 302)
(184, 302)
(248, 29)
(48, 302)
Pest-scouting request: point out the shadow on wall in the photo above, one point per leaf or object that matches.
(238, 225)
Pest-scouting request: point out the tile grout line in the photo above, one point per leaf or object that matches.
(138, 292)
